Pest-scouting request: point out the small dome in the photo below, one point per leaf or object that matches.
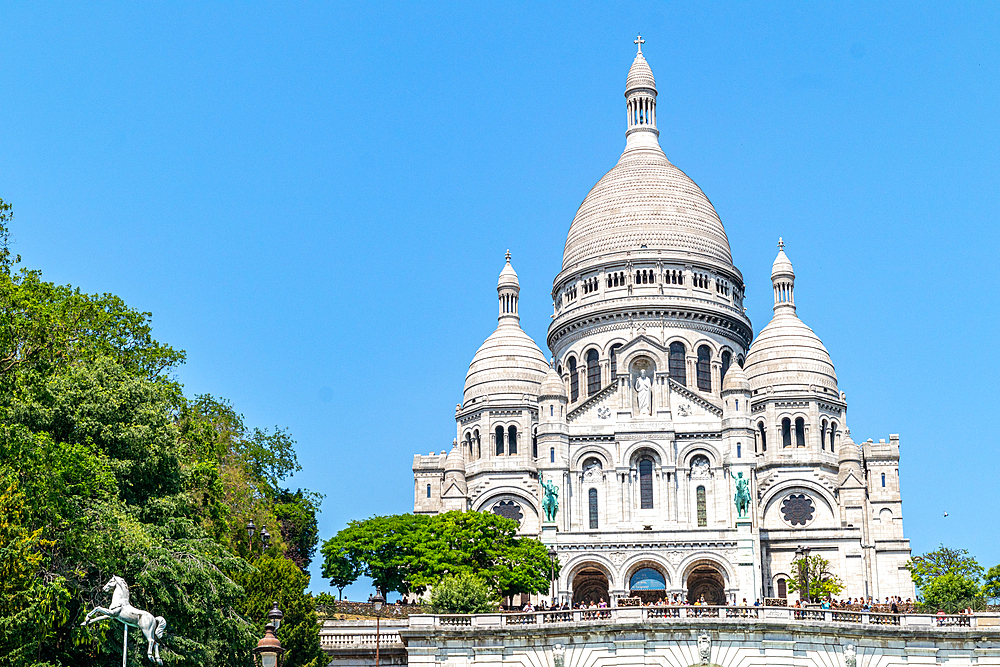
(639, 75)
(787, 354)
(735, 380)
(782, 265)
(506, 367)
(508, 277)
(552, 385)
(849, 451)
(455, 461)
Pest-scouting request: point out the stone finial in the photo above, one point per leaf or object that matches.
(781, 244)
(508, 255)
(639, 41)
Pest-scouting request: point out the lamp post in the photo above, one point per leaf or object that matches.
(377, 602)
(553, 554)
(269, 649)
(803, 554)
(265, 537)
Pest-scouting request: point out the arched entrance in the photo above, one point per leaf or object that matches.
(706, 581)
(590, 585)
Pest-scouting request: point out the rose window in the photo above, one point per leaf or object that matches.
(509, 510)
(798, 509)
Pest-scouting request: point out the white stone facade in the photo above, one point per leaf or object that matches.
(657, 400)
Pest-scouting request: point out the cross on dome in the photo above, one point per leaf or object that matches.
(639, 41)
(781, 244)
(508, 256)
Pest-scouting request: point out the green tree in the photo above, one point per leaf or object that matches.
(106, 468)
(941, 561)
(339, 569)
(409, 553)
(277, 579)
(463, 594)
(296, 515)
(947, 579)
(991, 586)
(815, 570)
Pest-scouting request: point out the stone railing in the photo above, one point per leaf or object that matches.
(667, 614)
(354, 635)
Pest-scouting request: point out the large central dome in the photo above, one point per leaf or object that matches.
(645, 202)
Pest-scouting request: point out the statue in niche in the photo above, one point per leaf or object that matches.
(644, 392)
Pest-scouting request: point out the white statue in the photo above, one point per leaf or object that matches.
(644, 391)
(850, 657)
(121, 610)
(704, 648)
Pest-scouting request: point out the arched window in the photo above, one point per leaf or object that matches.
(552, 455)
(592, 503)
(479, 444)
(499, 441)
(727, 361)
(786, 432)
(739, 451)
(574, 380)
(822, 435)
(646, 484)
(763, 436)
(704, 368)
(534, 443)
(782, 589)
(677, 372)
(800, 432)
(593, 373)
(428, 490)
(614, 359)
(702, 507)
(468, 445)
(883, 480)
(512, 440)
(833, 434)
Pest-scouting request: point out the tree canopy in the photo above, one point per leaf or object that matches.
(408, 553)
(947, 579)
(106, 468)
(816, 570)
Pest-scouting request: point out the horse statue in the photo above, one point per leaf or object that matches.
(742, 498)
(151, 626)
(550, 504)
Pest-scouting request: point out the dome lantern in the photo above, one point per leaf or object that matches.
(508, 289)
(640, 95)
(783, 280)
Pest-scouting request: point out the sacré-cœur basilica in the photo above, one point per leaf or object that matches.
(659, 402)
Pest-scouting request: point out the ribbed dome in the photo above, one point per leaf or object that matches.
(787, 354)
(553, 385)
(455, 462)
(735, 380)
(509, 364)
(506, 367)
(639, 75)
(508, 277)
(646, 201)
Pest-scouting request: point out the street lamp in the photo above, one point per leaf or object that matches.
(377, 602)
(274, 616)
(553, 554)
(269, 649)
(250, 528)
(803, 554)
(265, 541)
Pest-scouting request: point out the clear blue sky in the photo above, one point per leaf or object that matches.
(314, 201)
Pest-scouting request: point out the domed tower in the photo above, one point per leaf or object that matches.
(646, 256)
(798, 412)
(498, 416)
(455, 489)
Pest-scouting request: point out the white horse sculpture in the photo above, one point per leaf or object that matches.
(152, 626)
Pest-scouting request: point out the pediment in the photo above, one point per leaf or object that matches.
(453, 491)
(641, 342)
